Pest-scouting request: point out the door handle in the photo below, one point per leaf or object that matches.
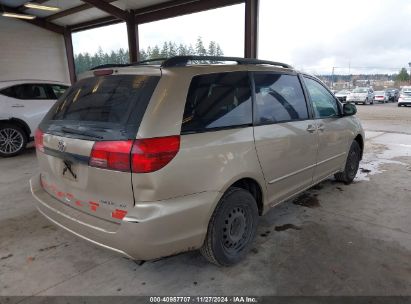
(311, 128)
(17, 106)
(321, 127)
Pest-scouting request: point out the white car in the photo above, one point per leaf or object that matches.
(382, 96)
(361, 95)
(405, 97)
(23, 104)
(342, 95)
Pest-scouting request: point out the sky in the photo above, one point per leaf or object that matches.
(357, 36)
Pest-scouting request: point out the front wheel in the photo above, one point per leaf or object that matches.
(351, 165)
(232, 228)
(13, 140)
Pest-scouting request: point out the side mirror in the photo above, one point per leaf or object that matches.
(349, 109)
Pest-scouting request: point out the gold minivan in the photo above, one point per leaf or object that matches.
(152, 160)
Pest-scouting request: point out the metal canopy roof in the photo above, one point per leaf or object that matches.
(77, 15)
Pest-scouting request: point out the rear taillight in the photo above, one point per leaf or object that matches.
(38, 140)
(114, 155)
(139, 156)
(152, 154)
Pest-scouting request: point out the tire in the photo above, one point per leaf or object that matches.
(351, 165)
(13, 140)
(232, 228)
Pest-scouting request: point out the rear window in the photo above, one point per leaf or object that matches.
(216, 101)
(112, 107)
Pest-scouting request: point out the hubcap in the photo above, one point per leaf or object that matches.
(11, 141)
(236, 230)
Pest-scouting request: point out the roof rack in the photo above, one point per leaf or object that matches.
(109, 65)
(179, 61)
(117, 65)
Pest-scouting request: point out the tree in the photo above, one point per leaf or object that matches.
(403, 75)
(212, 49)
(164, 51)
(200, 49)
(85, 61)
(155, 52)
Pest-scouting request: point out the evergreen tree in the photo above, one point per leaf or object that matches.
(403, 75)
(182, 50)
(172, 49)
(164, 51)
(85, 61)
(212, 48)
(200, 49)
(155, 52)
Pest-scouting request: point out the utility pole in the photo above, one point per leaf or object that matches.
(409, 64)
(332, 79)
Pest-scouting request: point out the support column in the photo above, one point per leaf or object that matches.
(132, 34)
(70, 56)
(251, 28)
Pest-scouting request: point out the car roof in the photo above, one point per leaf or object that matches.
(193, 65)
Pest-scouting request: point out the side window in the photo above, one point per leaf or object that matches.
(9, 92)
(217, 101)
(58, 90)
(278, 98)
(323, 102)
(31, 91)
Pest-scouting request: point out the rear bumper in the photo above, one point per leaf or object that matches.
(151, 230)
(404, 103)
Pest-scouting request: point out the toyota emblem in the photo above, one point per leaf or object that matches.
(61, 146)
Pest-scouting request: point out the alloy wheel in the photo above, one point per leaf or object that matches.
(11, 141)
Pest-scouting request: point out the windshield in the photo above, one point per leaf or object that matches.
(360, 90)
(343, 92)
(108, 107)
(379, 93)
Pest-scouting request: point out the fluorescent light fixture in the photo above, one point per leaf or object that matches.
(15, 15)
(41, 7)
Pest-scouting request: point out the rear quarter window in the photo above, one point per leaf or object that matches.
(216, 101)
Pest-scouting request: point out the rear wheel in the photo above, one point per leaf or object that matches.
(13, 140)
(232, 228)
(351, 165)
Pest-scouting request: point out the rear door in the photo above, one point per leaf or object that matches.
(285, 135)
(333, 129)
(87, 141)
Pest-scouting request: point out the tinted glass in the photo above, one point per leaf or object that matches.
(218, 101)
(31, 91)
(9, 92)
(323, 102)
(112, 106)
(58, 90)
(279, 98)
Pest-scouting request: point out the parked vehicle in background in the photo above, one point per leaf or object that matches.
(23, 104)
(382, 96)
(361, 95)
(405, 97)
(342, 95)
(395, 94)
(197, 152)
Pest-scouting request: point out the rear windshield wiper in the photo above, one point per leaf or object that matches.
(85, 133)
